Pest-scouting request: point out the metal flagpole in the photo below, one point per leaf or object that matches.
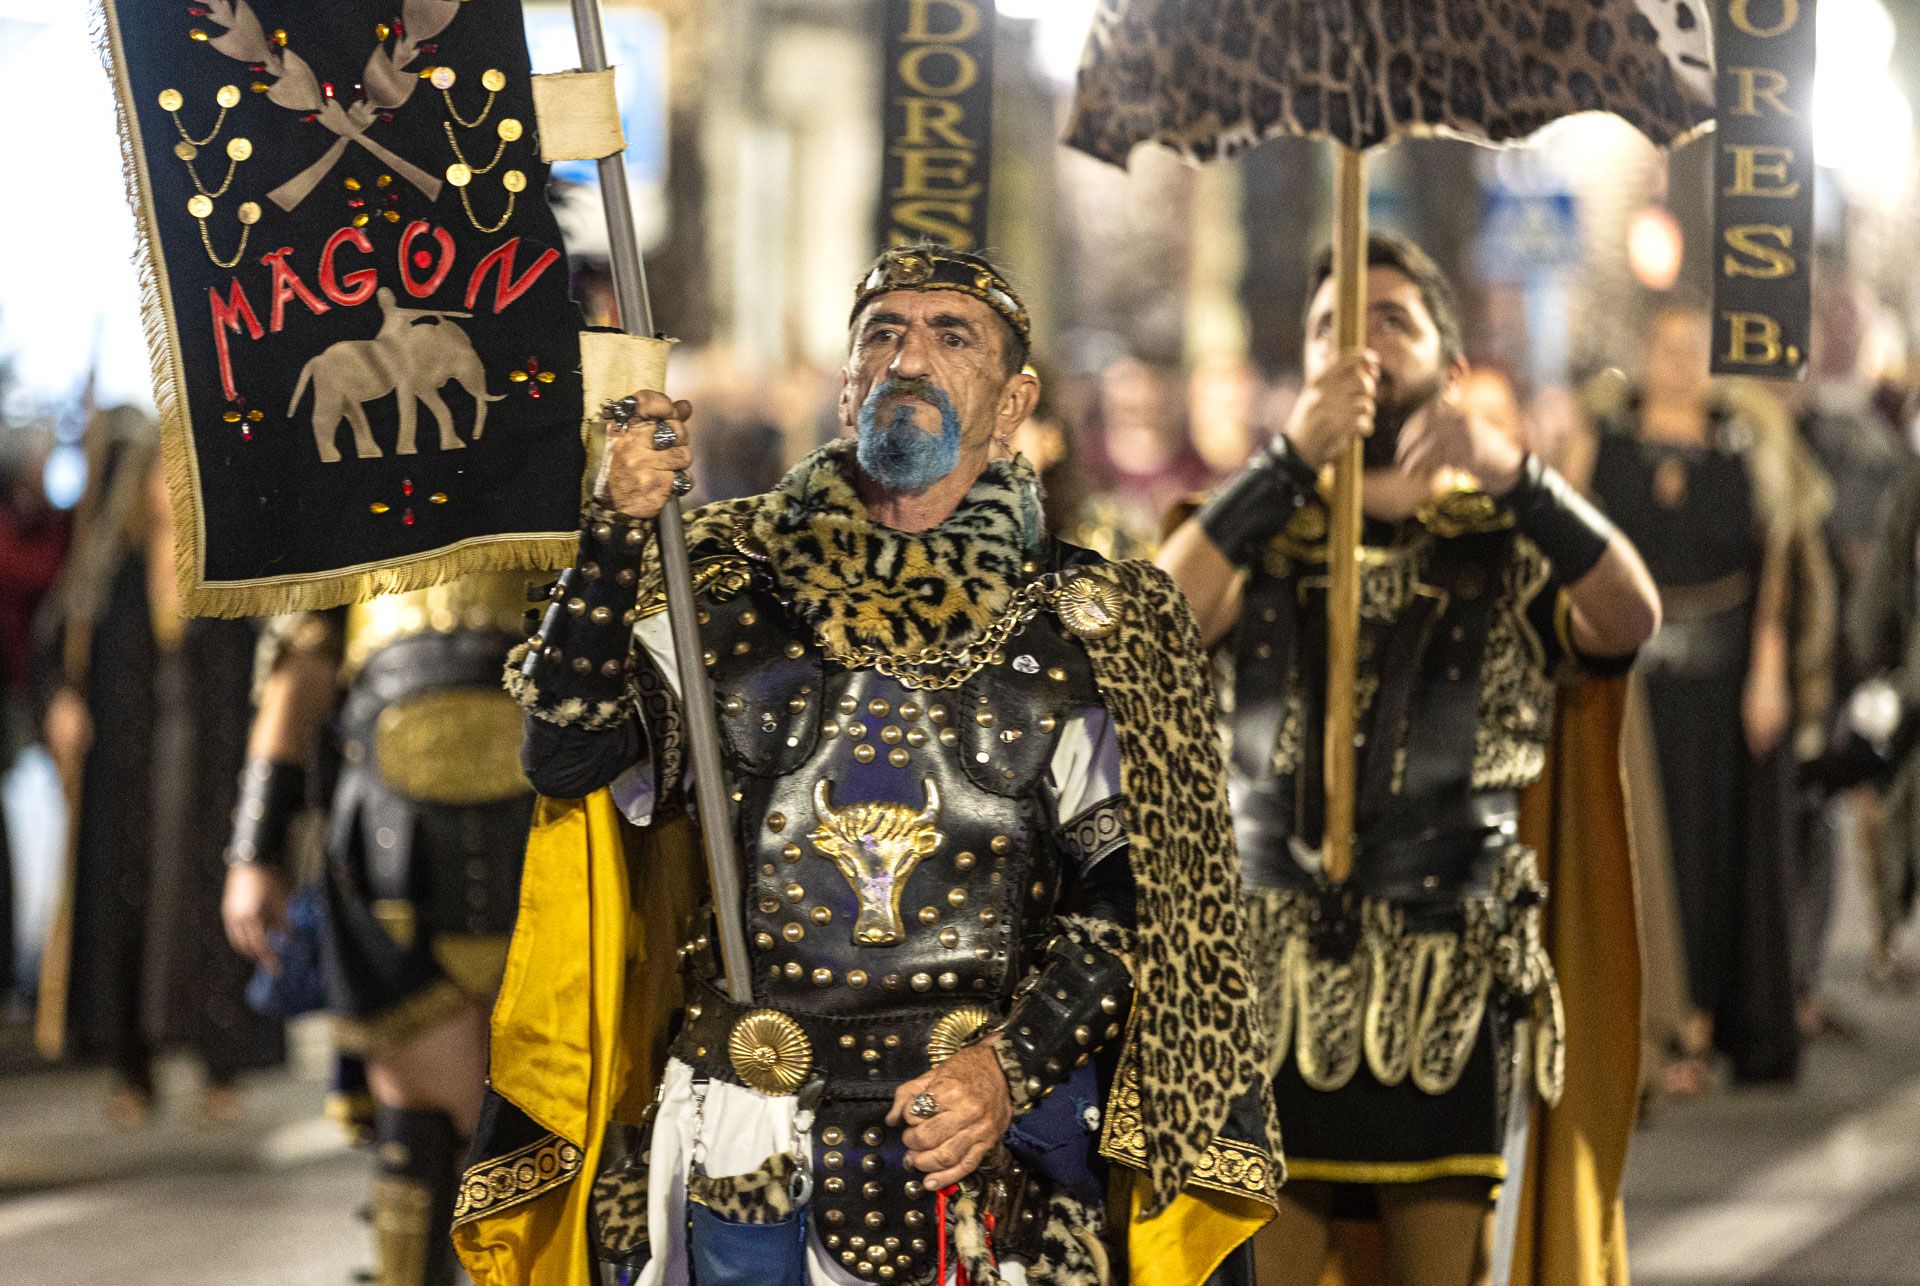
(703, 731)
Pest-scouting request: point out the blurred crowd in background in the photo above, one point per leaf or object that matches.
(1781, 519)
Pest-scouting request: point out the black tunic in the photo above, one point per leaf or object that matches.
(1690, 511)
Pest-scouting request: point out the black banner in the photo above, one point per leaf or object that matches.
(365, 354)
(938, 114)
(1763, 181)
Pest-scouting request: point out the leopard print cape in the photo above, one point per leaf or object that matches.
(1212, 78)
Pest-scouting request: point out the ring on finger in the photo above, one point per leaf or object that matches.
(924, 1105)
(619, 411)
(682, 482)
(665, 436)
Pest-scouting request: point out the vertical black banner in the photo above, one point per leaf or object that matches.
(1763, 181)
(938, 115)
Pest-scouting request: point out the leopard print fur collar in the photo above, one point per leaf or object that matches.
(861, 585)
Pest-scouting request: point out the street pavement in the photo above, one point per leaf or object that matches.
(1814, 1186)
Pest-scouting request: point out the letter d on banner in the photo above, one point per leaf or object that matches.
(1763, 187)
(937, 116)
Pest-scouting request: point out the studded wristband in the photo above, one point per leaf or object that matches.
(1062, 1016)
(574, 671)
(1569, 530)
(1253, 505)
(271, 794)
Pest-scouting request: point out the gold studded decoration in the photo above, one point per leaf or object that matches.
(1089, 607)
(769, 1052)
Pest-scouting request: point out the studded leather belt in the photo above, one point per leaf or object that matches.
(776, 1051)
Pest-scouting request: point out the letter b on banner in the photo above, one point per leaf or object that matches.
(1763, 200)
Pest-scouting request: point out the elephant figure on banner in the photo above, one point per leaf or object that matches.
(415, 353)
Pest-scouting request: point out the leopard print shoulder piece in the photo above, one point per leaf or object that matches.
(865, 586)
(1216, 78)
(1194, 1039)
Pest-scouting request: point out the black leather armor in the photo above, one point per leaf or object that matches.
(905, 874)
(1431, 821)
(431, 809)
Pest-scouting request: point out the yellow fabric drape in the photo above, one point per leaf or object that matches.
(579, 1031)
(1572, 1229)
(1183, 1244)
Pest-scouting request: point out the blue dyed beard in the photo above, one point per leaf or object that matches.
(899, 454)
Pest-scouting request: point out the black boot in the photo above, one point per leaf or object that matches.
(419, 1172)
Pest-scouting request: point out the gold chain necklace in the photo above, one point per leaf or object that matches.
(943, 669)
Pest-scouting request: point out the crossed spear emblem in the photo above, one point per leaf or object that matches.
(386, 86)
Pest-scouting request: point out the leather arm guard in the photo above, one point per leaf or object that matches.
(574, 672)
(271, 795)
(1254, 504)
(1068, 1012)
(1569, 530)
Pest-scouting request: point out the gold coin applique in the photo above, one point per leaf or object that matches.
(199, 206)
(494, 79)
(510, 129)
(514, 181)
(229, 96)
(170, 100)
(459, 174)
(239, 149)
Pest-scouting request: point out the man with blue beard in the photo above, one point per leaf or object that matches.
(989, 888)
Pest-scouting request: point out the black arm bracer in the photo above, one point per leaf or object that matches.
(271, 795)
(1068, 1012)
(1569, 530)
(574, 671)
(1252, 506)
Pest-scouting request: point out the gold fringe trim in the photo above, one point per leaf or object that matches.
(268, 596)
(1453, 1167)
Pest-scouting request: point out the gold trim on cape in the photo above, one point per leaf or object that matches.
(494, 1185)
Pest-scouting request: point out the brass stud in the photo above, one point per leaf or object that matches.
(937, 713)
(792, 971)
(776, 822)
(984, 718)
(957, 898)
(922, 982)
(892, 1041)
(864, 753)
(833, 1161)
(764, 941)
(948, 737)
(891, 734)
(870, 1163)
(872, 1136)
(846, 1042)
(916, 736)
(949, 937)
(989, 917)
(846, 705)
(869, 1055)
(835, 1186)
(929, 915)
(1039, 889)
(749, 617)
(909, 710)
(795, 651)
(792, 932)
(1001, 844)
(915, 1218)
(949, 980)
(856, 730)
(1083, 1035)
(789, 852)
(1057, 674)
(823, 977)
(856, 978)
(733, 705)
(822, 915)
(833, 1136)
(878, 708)
(964, 861)
(891, 982)
(1109, 1005)
(876, 1220)
(898, 757)
(742, 648)
(871, 1190)
(795, 892)
(829, 730)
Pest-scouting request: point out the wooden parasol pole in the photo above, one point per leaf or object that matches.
(1343, 534)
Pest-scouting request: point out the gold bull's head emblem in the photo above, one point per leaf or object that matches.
(876, 845)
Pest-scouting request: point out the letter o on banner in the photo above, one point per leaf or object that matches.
(438, 266)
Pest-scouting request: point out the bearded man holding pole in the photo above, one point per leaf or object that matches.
(1399, 991)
